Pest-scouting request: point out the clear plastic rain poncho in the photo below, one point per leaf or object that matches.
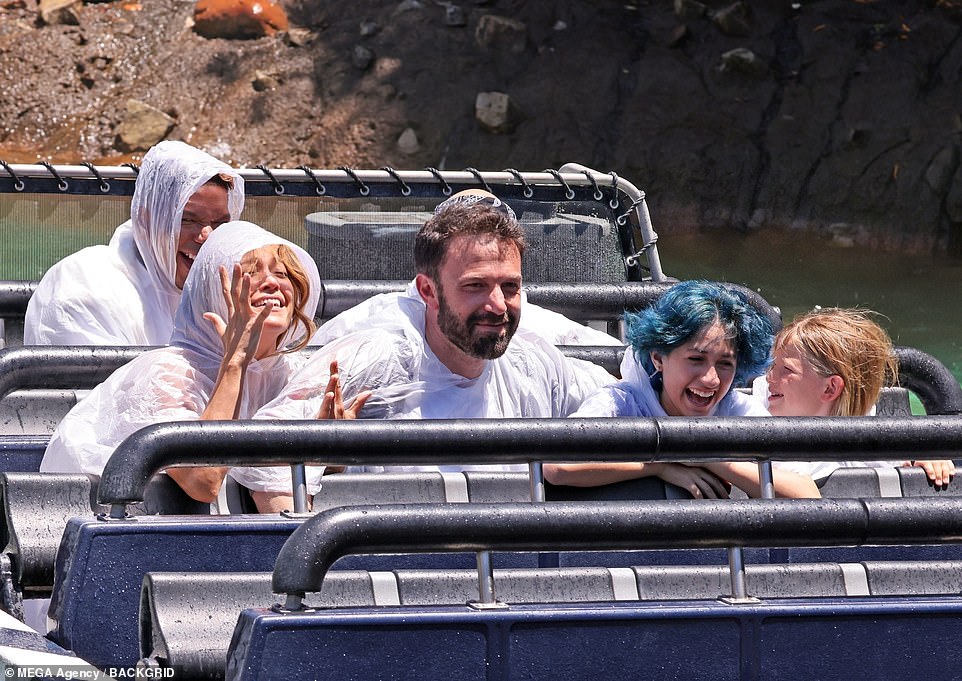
(175, 383)
(124, 293)
(392, 358)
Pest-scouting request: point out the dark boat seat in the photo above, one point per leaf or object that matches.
(187, 619)
(893, 401)
(917, 577)
(560, 247)
(22, 453)
(36, 508)
(861, 482)
(348, 489)
(35, 412)
(101, 565)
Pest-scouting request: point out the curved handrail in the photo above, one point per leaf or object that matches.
(14, 296)
(69, 367)
(485, 441)
(304, 181)
(65, 367)
(927, 377)
(314, 546)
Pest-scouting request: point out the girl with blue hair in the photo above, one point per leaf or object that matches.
(687, 353)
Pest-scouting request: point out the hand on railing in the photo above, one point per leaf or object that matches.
(940, 472)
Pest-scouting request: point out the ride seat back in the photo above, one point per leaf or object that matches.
(187, 619)
(561, 247)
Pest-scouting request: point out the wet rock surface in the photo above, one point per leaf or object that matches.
(836, 115)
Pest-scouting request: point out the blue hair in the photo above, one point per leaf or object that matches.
(687, 308)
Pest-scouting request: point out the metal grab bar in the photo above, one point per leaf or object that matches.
(485, 441)
(314, 546)
(935, 386)
(65, 367)
(14, 296)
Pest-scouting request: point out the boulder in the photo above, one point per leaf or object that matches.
(407, 142)
(495, 112)
(264, 80)
(60, 11)
(362, 57)
(142, 127)
(238, 19)
(496, 32)
(368, 28)
(454, 16)
(743, 60)
(734, 20)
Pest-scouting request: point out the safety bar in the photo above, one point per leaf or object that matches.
(37, 367)
(14, 296)
(486, 441)
(314, 546)
(65, 367)
(935, 386)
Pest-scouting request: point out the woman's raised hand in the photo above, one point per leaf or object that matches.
(332, 407)
(241, 332)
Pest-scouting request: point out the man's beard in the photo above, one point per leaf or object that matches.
(479, 346)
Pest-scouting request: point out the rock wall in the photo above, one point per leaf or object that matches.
(839, 115)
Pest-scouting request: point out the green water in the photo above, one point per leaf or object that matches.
(917, 295)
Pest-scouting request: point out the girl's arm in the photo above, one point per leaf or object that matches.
(744, 475)
(698, 481)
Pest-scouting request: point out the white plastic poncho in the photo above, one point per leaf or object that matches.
(817, 470)
(175, 383)
(124, 293)
(391, 358)
(634, 395)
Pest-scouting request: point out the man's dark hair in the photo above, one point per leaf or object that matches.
(431, 243)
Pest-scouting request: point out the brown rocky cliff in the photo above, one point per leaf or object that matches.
(838, 115)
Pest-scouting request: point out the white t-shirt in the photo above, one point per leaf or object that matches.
(391, 358)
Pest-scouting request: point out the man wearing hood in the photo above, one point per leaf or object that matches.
(126, 293)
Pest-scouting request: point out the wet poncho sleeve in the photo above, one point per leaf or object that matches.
(89, 299)
(160, 385)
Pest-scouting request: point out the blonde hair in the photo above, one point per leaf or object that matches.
(302, 291)
(846, 343)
